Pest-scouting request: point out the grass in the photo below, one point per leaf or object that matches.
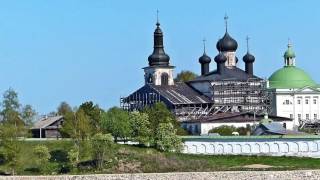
(130, 159)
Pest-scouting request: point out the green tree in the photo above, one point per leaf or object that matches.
(10, 108)
(10, 101)
(140, 127)
(116, 121)
(224, 130)
(102, 148)
(73, 156)
(42, 154)
(64, 108)
(11, 144)
(185, 76)
(28, 115)
(166, 139)
(11, 129)
(77, 125)
(78, 128)
(94, 114)
(159, 113)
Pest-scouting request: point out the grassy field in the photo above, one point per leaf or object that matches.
(129, 159)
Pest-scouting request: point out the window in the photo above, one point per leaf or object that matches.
(315, 116)
(307, 101)
(291, 116)
(299, 101)
(314, 101)
(164, 79)
(299, 116)
(307, 116)
(196, 130)
(284, 125)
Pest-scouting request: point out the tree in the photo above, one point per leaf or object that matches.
(28, 115)
(73, 156)
(77, 127)
(94, 114)
(42, 156)
(185, 76)
(116, 122)
(224, 130)
(10, 101)
(159, 113)
(11, 128)
(64, 108)
(102, 148)
(166, 139)
(9, 133)
(140, 127)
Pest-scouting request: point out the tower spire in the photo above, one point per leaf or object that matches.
(289, 43)
(226, 21)
(158, 24)
(247, 39)
(204, 45)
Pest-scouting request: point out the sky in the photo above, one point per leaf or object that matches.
(94, 50)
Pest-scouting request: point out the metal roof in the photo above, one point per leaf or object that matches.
(229, 74)
(46, 122)
(234, 117)
(181, 93)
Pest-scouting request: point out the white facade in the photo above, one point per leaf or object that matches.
(298, 104)
(231, 59)
(159, 75)
(204, 128)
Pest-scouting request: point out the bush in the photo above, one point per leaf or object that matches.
(224, 130)
(42, 156)
(167, 139)
(102, 148)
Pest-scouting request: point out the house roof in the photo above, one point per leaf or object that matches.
(274, 128)
(179, 93)
(46, 122)
(229, 74)
(235, 117)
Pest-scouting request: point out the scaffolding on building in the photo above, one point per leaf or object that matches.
(226, 96)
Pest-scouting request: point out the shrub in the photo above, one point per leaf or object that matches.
(167, 139)
(42, 156)
(223, 130)
(102, 148)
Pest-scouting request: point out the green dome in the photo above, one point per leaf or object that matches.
(290, 77)
(289, 53)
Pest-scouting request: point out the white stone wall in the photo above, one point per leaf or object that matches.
(269, 147)
(294, 103)
(156, 73)
(231, 59)
(204, 128)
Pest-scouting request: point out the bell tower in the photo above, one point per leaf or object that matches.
(159, 72)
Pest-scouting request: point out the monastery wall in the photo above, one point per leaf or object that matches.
(299, 147)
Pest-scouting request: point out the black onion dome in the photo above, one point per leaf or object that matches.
(220, 58)
(248, 58)
(227, 43)
(158, 56)
(204, 59)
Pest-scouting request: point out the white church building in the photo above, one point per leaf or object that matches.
(294, 93)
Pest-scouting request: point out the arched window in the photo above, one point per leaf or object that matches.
(164, 79)
(150, 79)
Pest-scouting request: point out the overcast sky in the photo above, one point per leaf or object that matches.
(76, 50)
